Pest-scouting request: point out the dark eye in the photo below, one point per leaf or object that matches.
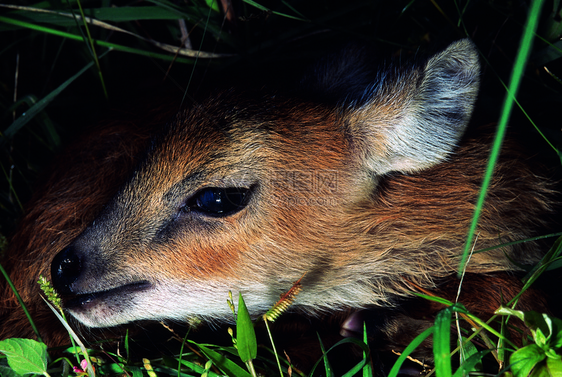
(218, 201)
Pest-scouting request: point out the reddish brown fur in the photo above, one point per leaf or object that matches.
(72, 196)
(416, 220)
(81, 181)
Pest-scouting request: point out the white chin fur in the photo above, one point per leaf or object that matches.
(169, 301)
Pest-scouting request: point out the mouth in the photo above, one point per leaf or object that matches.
(83, 301)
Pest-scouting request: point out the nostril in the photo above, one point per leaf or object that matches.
(65, 270)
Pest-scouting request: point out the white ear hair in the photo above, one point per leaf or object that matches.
(414, 119)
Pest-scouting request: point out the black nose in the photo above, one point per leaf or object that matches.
(65, 270)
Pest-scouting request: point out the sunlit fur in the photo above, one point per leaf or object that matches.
(369, 197)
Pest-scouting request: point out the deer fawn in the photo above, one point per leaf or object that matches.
(358, 181)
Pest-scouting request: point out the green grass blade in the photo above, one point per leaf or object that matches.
(265, 9)
(546, 262)
(195, 14)
(227, 366)
(39, 15)
(530, 239)
(409, 349)
(519, 106)
(171, 49)
(327, 367)
(273, 347)
(442, 343)
(40, 105)
(434, 299)
(8, 176)
(93, 52)
(73, 336)
(353, 370)
(20, 301)
(367, 369)
(516, 75)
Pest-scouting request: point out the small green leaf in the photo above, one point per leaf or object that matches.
(471, 364)
(541, 339)
(551, 354)
(535, 320)
(507, 311)
(525, 359)
(556, 336)
(472, 359)
(134, 371)
(114, 368)
(467, 348)
(547, 330)
(245, 333)
(25, 356)
(554, 366)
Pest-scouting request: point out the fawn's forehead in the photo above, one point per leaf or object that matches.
(233, 139)
(232, 131)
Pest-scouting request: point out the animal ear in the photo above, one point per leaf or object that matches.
(411, 119)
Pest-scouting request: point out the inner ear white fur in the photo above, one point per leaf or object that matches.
(414, 120)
